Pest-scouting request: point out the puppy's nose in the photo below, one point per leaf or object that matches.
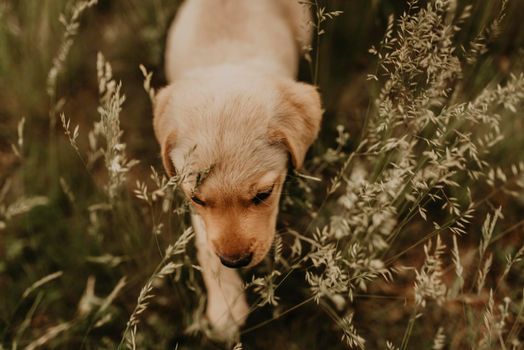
(236, 261)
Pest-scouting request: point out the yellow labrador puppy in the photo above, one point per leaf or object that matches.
(231, 118)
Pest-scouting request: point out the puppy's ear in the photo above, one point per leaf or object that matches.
(297, 120)
(164, 127)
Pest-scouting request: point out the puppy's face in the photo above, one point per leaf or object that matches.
(239, 219)
(231, 144)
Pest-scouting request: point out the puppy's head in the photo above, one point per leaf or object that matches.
(231, 140)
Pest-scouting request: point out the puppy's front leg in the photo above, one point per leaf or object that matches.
(227, 307)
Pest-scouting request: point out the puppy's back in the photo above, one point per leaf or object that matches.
(266, 35)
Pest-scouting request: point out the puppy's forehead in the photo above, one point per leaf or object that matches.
(223, 133)
(233, 167)
(219, 184)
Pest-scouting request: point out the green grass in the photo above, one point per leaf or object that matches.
(84, 234)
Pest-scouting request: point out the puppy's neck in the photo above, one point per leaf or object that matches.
(261, 36)
(248, 70)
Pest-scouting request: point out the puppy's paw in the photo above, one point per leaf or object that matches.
(226, 313)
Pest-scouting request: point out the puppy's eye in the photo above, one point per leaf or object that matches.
(262, 196)
(198, 201)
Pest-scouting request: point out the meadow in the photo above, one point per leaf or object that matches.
(404, 230)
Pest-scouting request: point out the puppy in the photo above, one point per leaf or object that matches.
(231, 118)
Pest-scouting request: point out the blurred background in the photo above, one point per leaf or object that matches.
(57, 220)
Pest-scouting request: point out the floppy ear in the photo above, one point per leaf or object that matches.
(164, 127)
(297, 119)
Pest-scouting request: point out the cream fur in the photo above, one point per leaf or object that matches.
(233, 112)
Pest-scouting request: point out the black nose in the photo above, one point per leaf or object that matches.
(236, 261)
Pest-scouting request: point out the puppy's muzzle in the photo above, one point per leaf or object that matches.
(236, 261)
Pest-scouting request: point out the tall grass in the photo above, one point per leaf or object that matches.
(404, 232)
